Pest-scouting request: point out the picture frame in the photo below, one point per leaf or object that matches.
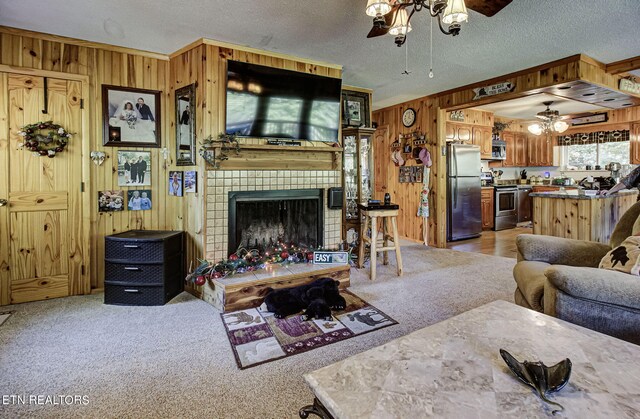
(190, 181)
(134, 168)
(175, 184)
(185, 101)
(130, 117)
(139, 200)
(355, 109)
(110, 201)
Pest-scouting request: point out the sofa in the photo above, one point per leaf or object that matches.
(560, 277)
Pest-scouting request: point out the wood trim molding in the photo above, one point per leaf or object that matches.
(357, 89)
(222, 44)
(44, 73)
(83, 43)
(623, 66)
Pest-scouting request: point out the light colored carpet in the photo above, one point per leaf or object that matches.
(175, 361)
(4, 315)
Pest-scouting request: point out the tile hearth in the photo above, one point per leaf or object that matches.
(221, 182)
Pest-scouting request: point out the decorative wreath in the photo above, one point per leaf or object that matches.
(44, 138)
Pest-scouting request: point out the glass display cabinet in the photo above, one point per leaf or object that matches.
(357, 178)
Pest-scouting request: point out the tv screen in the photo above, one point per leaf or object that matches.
(266, 102)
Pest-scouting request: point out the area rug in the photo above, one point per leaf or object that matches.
(4, 315)
(257, 337)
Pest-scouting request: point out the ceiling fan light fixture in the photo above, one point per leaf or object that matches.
(377, 7)
(401, 25)
(560, 126)
(455, 12)
(535, 129)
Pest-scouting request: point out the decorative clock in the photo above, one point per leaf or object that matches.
(409, 117)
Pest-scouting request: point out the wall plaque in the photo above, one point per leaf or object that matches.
(494, 89)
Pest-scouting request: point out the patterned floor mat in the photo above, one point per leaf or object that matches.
(257, 337)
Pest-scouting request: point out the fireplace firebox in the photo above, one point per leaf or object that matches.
(258, 219)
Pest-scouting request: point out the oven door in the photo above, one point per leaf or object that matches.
(506, 202)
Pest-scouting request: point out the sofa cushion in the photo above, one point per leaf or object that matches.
(529, 276)
(602, 285)
(624, 258)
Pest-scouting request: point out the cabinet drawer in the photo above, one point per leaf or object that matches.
(134, 295)
(135, 274)
(140, 251)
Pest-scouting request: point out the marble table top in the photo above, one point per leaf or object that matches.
(453, 369)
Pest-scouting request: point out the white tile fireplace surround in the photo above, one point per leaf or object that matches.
(221, 182)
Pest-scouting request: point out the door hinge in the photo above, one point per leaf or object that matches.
(81, 103)
(81, 186)
(82, 270)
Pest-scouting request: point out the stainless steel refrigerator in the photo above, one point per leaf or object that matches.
(464, 215)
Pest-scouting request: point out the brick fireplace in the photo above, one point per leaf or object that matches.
(221, 182)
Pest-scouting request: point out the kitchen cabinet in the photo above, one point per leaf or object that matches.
(510, 139)
(520, 149)
(486, 208)
(482, 138)
(459, 132)
(540, 151)
(635, 143)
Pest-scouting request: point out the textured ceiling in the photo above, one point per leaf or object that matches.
(524, 34)
(527, 107)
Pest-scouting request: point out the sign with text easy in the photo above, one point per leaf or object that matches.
(326, 258)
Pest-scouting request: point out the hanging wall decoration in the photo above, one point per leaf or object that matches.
(44, 138)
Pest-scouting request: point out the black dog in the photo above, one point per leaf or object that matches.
(287, 301)
(317, 307)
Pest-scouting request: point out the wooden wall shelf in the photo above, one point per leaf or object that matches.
(267, 147)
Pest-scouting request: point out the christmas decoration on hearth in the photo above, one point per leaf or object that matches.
(228, 143)
(44, 138)
(249, 260)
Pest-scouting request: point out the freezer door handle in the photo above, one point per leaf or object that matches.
(455, 194)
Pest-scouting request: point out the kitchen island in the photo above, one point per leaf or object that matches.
(583, 217)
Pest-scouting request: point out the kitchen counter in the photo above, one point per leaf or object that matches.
(573, 194)
(579, 217)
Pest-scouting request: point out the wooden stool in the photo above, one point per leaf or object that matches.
(371, 214)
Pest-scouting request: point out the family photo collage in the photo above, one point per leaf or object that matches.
(130, 121)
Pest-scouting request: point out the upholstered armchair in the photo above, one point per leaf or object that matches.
(560, 277)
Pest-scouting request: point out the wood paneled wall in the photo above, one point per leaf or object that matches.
(204, 64)
(407, 195)
(119, 68)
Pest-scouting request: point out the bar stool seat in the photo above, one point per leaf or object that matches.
(371, 214)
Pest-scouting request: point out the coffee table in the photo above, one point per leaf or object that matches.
(454, 369)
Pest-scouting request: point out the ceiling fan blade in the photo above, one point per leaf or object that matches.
(377, 31)
(487, 8)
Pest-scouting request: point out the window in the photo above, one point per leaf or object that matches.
(581, 155)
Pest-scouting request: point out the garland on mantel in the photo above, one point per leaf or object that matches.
(244, 260)
(44, 144)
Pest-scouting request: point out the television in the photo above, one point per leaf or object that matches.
(266, 102)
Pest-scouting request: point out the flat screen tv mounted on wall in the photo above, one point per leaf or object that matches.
(266, 102)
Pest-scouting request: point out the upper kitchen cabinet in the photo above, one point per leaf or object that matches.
(482, 138)
(510, 139)
(539, 151)
(520, 146)
(459, 132)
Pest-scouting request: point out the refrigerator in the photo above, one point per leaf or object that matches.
(464, 214)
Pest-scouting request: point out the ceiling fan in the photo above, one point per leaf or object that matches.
(393, 16)
(550, 121)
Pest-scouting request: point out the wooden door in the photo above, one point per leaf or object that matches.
(486, 143)
(450, 131)
(44, 239)
(520, 141)
(464, 134)
(546, 151)
(486, 205)
(509, 138)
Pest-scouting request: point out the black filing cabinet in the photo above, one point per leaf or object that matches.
(143, 267)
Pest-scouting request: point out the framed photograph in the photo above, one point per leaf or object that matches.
(110, 201)
(355, 109)
(130, 117)
(139, 200)
(191, 181)
(134, 168)
(185, 126)
(175, 183)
